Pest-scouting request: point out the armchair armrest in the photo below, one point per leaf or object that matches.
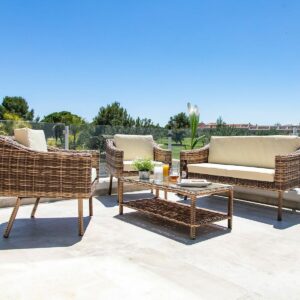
(95, 155)
(162, 155)
(195, 156)
(114, 159)
(287, 170)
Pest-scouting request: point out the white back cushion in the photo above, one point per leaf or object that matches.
(252, 151)
(33, 139)
(135, 146)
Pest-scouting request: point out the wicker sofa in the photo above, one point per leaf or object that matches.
(27, 173)
(122, 150)
(261, 162)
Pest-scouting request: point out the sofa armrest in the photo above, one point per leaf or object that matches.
(114, 159)
(162, 155)
(287, 171)
(195, 156)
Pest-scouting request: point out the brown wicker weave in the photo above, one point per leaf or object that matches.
(25, 173)
(287, 173)
(188, 215)
(115, 164)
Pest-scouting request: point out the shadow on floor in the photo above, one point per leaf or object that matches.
(251, 211)
(42, 233)
(176, 232)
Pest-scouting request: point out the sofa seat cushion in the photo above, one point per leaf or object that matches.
(251, 151)
(128, 165)
(135, 146)
(241, 172)
(33, 139)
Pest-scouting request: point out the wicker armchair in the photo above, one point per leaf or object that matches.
(115, 160)
(287, 173)
(25, 173)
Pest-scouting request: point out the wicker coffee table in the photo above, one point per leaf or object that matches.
(188, 215)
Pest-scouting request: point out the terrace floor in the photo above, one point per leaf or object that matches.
(137, 257)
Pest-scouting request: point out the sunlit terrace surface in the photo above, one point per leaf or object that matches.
(137, 257)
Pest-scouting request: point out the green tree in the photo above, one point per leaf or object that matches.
(74, 121)
(145, 123)
(15, 108)
(179, 121)
(113, 115)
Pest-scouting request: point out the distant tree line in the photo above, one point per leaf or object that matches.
(110, 119)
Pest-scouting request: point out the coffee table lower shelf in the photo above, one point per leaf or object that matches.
(176, 212)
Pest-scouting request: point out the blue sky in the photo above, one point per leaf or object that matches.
(237, 59)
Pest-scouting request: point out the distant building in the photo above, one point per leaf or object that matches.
(289, 127)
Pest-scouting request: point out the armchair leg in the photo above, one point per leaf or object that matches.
(91, 206)
(12, 218)
(280, 200)
(110, 185)
(80, 217)
(35, 207)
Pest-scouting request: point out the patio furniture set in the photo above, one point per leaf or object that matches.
(30, 169)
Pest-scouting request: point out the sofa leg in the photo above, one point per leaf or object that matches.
(35, 207)
(110, 185)
(12, 218)
(280, 200)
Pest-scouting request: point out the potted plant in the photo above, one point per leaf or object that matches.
(144, 166)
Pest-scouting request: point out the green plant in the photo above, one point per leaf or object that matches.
(143, 165)
(194, 117)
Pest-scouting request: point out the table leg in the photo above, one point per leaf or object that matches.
(193, 218)
(230, 208)
(166, 194)
(157, 193)
(120, 195)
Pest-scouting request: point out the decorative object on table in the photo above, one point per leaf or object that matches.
(144, 166)
(194, 117)
(194, 183)
(166, 170)
(158, 174)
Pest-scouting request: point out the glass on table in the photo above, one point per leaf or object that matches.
(166, 171)
(158, 174)
(174, 173)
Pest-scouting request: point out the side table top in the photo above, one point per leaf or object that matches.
(213, 188)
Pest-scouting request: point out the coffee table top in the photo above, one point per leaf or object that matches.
(213, 188)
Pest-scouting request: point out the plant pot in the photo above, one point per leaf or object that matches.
(144, 175)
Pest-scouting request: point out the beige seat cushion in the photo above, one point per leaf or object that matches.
(135, 146)
(128, 165)
(94, 174)
(33, 139)
(251, 151)
(241, 172)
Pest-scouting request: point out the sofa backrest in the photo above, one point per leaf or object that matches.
(251, 151)
(135, 146)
